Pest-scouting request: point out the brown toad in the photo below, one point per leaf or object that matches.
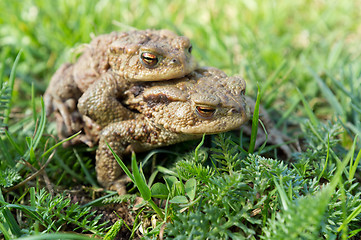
(138, 55)
(162, 113)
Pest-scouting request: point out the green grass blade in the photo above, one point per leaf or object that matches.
(284, 198)
(156, 151)
(88, 176)
(197, 148)
(353, 167)
(41, 127)
(13, 143)
(2, 68)
(271, 80)
(139, 181)
(11, 85)
(328, 94)
(353, 233)
(337, 176)
(314, 131)
(327, 156)
(56, 236)
(32, 196)
(10, 223)
(99, 201)
(39, 132)
(121, 164)
(354, 128)
(356, 108)
(6, 154)
(30, 211)
(339, 85)
(143, 187)
(287, 113)
(262, 147)
(59, 143)
(354, 213)
(308, 109)
(35, 116)
(4, 231)
(255, 118)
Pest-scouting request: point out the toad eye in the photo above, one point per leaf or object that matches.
(149, 59)
(190, 49)
(205, 112)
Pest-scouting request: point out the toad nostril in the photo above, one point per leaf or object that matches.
(174, 61)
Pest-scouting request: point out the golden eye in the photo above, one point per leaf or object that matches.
(205, 112)
(149, 59)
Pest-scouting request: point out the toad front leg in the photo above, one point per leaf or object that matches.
(101, 101)
(124, 137)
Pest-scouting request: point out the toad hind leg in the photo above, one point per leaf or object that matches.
(61, 96)
(120, 136)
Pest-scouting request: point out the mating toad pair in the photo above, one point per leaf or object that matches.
(140, 90)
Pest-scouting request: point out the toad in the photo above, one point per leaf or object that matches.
(138, 55)
(161, 113)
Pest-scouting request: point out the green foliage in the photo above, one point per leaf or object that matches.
(306, 217)
(59, 207)
(302, 220)
(55, 213)
(211, 222)
(187, 169)
(219, 193)
(8, 177)
(226, 154)
(236, 203)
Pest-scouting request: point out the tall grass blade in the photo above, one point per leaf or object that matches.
(10, 223)
(353, 167)
(121, 164)
(308, 109)
(139, 181)
(255, 118)
(11, 87)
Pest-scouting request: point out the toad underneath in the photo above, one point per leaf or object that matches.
(163, 113)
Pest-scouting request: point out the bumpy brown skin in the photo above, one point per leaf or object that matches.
(204, 102)
(138, 55)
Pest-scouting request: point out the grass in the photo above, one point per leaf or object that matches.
(303, 55)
